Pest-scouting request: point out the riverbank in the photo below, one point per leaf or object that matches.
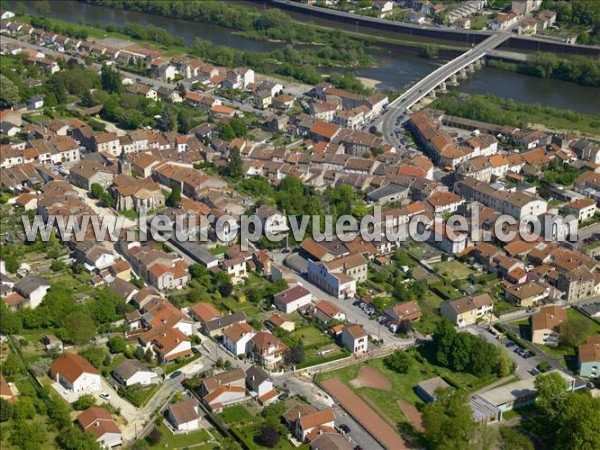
(492, 109)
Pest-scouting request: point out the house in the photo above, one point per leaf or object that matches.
(185, 415)
(237, 336)
(273, 222)
(226, 388)
(404, 312)
(130, 372)
(203, 312)
(527, 294)
(98, 421)
(33, 288)
(354, 338)
(588, 358)
(291, 299)
(303, 419)
(414, 17)
(338, 284)
(545, 325)
(236, 269)
(215, 327)
(465, 311)
(76, 374)
(6, 392)
(260, 386)
(383, 7)
(283, 101)
(267, 350)
(577, 283)
(278, 321)
(427, 389)
(330, 441)
(583, 209)
(171, 344)
(325, 311)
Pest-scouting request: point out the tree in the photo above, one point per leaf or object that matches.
(174, 197)
(87, 100)
(552, 392)
(110, 80)
(225, 131)
(577, 424)
(269, 436)
(11, 366)
(511, 439)
(116, 345)
(12, 263)
(107, 200)
(6, 410)
(84, 402)
(238, 126)
(80, 328)
(95, 355)
(399, 361)
(225, 289)
(154, 437)
(11, 322)
(26, 435)
(138, 353)
(295, 355)
(148, 356)
(9, 92)
(448, 421)
(96, 190)
(235, 167)
(574, 332)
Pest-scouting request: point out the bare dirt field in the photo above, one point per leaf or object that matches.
(372, 378)
(412, 414)
(369, 419)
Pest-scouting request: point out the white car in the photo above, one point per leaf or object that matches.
(105, 395)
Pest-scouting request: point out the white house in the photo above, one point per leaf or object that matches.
(293, 298)
(131, 372)
(76, 374)
(260, 385)
(33, 288)
(237, 336)
(98, 421)
(185, 415)
(339, 284)
(355, 339)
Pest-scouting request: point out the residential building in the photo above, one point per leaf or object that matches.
(33, 288)
(76, 374)
(588, 358)
(203, 312)
(404, 312)
(325, 312)
(467, 310)
(527, 294)
(185, 415)
(130, 372)
(260, 385)
(577, 283)
(278, 321)
(355, 338)
(214, 327)
(224, 389)
(583, 209)
(303, 420)
(267, 350)
(337, 284)
(545, 325)
(236, 337)
(98, 421)
(291, 299)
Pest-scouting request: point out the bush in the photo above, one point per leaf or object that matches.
(84, 402)
(269, 436)
(399, 361)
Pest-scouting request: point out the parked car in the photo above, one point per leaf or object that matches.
(510, 344)
(105, 395)
(345, 428)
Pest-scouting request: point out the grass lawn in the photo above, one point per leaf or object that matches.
(313, 358)
(403, 385)
(312, 336)
(139, 395)
(250, 310)
(445, 290)
(181, 441)
(452, 270)
(235, 414)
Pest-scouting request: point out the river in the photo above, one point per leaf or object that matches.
(394, 70)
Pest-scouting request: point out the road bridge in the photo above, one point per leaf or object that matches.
(449, 73)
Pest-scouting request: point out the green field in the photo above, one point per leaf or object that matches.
(452, 270)
(181, 441)
(403, 385)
